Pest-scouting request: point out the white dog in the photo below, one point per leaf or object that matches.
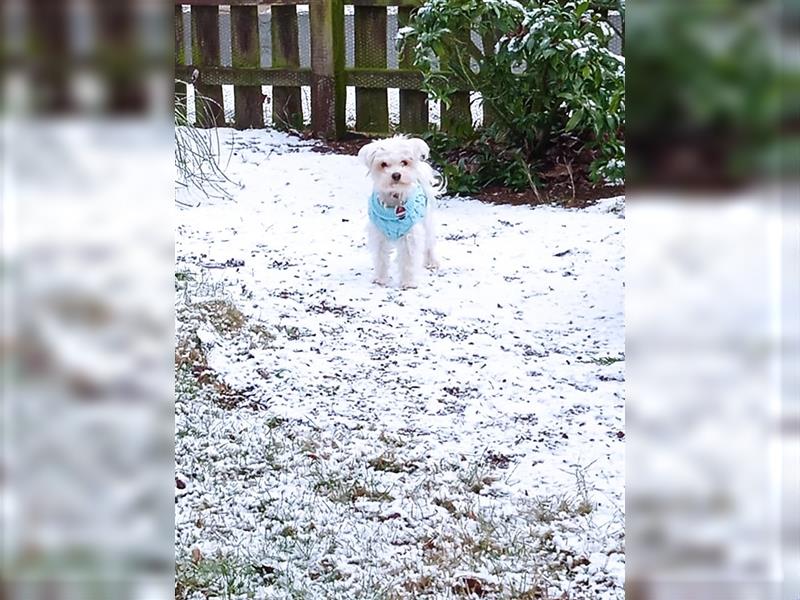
(401, 207)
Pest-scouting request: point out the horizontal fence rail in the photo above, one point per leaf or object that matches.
(327, 75)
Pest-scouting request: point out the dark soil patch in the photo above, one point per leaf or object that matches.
(692, 160)
(562, 175)
(560, 193)
(339, 311)
(350, 144)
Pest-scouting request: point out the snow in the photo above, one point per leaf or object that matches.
(510, 3)
(359, 438)
(581, 52)
(403, 32)
(701, 386)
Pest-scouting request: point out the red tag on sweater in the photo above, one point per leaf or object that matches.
(400, 211)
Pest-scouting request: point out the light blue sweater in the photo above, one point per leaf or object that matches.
(395, 222)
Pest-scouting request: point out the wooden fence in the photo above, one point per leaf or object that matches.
(327, 76)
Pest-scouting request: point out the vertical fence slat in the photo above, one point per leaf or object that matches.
(413, 104)
(180, 59)
(287, 107)
(205, 53)
(327, 65)
(372, 105)
(49, 39)
(117, 38)
(246, 53)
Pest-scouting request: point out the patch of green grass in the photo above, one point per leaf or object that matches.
(387, 462)
(186, 384)
(391, 439)
(288, 532)
(446, 504)
(223, 315)
(340, 489)
(274, 421)
(548, 509)
(584, 503)
(477, 477)
(262, 337)
(584, 507)
(218, 577)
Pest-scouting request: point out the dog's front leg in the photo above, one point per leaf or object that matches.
(411, 256)
(380, 249)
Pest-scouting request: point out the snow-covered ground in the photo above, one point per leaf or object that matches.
(335, 439)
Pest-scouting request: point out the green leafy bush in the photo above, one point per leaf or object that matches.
(544, 72)
(710, 90)
(470, 163)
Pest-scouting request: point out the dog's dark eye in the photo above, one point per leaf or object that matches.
(404, 163)
(384, 165)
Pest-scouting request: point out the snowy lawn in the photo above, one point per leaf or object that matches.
(335, 439)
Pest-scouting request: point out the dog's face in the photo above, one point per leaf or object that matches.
(393, 162)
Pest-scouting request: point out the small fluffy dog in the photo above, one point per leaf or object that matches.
(401, 207)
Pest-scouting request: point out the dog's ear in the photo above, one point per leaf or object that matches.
(421, 149)
(367, 154)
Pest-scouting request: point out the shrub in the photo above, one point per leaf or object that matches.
(544, 72)
(711, 113)
(198, 149)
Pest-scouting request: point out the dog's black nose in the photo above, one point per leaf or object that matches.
(396, 176)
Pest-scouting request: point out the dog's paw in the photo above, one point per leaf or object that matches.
(432, 264)
(409, 285)
(382, 281)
